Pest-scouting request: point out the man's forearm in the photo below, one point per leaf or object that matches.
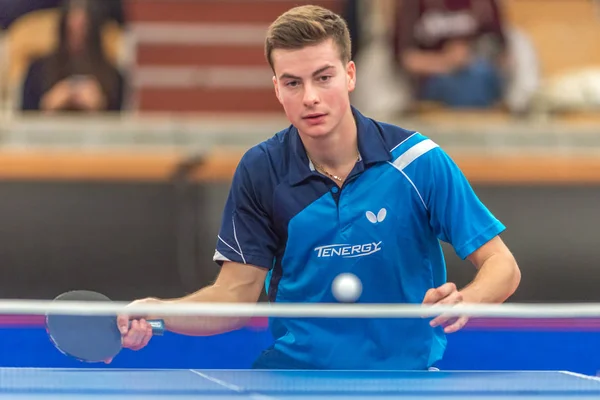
(496, 280)
(204, 325)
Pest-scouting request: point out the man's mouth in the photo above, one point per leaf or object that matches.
(313, 116)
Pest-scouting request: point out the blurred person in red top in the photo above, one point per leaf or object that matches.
(77, 76)
(452, 51)
(11, 10)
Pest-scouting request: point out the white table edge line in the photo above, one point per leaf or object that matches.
(581, 376)
(229, 386)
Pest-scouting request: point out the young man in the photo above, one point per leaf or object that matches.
(338, 192)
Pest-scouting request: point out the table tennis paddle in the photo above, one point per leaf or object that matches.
(88, 338)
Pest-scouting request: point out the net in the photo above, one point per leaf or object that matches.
(305, 310)
(508, 351)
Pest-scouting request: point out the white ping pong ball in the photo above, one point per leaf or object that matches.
(346, 287)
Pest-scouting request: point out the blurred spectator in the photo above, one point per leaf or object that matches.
(77, 76)
(452, 51)
(10, 10)
(351, 13)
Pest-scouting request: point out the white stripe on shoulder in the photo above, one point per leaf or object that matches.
(402, 142)
(413, 153)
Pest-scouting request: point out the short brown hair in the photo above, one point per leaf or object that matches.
(306, 26)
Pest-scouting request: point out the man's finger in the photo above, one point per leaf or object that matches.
(440, 320)
(431, 297)
(147, 336)
(449, 322)
(446, 289)
(128, 341)
(123, 324)
(145, 339)
(139, 331)
(443, 320)
(452, 298)
(457, 325)
(133, 337)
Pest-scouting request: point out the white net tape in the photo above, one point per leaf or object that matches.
(301, 310)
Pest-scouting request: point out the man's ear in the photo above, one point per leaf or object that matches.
(351, 75)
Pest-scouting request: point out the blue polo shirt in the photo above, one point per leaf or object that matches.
(384, 225)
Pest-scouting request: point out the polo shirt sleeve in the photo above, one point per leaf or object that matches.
(246, 234)
(456, 214)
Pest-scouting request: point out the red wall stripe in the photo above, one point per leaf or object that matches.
(209, 100)
(201, 55)
(241, 11)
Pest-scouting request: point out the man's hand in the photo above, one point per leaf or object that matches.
(446, 294)
(136, 336)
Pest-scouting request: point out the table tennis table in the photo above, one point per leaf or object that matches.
(127, 384)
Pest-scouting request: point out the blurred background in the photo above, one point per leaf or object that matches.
(123, 120)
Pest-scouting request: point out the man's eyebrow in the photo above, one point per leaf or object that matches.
(317, 72)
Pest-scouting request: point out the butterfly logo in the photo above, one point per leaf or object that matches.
(376, 218)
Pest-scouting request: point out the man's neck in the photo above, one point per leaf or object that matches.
(338, 149)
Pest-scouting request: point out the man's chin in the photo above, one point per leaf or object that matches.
(315, 131)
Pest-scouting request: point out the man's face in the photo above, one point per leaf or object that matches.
(313, 85)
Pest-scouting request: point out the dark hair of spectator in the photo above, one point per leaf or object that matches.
(93, 61)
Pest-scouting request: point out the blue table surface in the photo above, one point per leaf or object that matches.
(41, 383)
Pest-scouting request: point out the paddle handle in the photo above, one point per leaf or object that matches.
(158, 326)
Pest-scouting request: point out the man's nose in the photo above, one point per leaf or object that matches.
(311, 96)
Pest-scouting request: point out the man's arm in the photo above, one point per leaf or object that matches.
(245, 249)
(497, 279)
(236, 283)
(498, 274)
